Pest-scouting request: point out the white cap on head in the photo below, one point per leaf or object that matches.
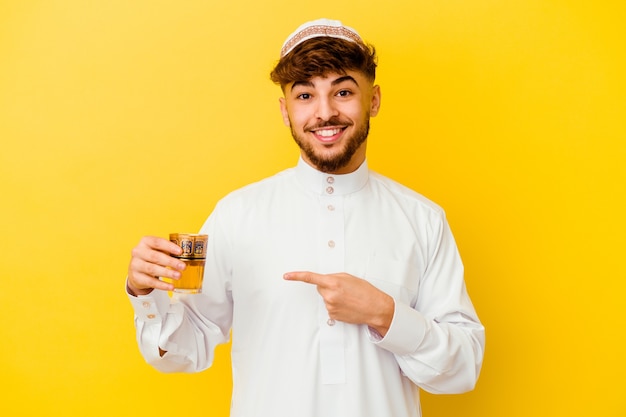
(319, 28)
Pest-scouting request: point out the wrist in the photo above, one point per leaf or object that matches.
(136, 291)
(382, 321)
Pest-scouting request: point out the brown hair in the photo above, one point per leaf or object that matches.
(324, 55)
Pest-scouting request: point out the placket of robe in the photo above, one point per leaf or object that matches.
(331, 238)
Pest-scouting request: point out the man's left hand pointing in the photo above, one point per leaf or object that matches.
(350, 299)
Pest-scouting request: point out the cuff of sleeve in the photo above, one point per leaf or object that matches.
(407, 330)
(150, 308)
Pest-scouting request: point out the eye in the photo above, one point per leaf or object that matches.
(303, 96)
(344, 93)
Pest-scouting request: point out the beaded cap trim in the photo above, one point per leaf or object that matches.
(318, 31)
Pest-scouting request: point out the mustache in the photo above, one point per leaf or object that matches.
(333, 121)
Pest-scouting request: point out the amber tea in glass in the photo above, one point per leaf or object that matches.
(194, 255)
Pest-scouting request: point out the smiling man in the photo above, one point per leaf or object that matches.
(329, 119)
(328, 82)
(343, 289)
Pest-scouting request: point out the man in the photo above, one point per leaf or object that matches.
(343, 289)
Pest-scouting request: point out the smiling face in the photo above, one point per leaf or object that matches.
(329, 119)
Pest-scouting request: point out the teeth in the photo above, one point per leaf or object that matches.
(328, 132)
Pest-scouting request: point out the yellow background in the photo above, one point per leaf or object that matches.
(122, 118)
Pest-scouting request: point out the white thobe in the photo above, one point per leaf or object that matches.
(287, 358)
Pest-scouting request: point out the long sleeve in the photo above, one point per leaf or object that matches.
(438, 341)
(188, 326)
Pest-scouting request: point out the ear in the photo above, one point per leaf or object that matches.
(375, 103)
(284, 112)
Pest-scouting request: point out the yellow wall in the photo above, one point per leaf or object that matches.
(114, 113)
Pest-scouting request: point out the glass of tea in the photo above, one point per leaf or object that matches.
(193, 255)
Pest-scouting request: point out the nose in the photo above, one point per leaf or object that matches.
(325, 108)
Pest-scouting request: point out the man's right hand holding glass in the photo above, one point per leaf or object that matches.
(151, 259)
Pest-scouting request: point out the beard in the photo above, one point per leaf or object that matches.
(330, 161)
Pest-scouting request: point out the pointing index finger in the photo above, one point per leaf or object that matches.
(304, 276)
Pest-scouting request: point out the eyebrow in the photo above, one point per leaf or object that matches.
(333, 83)
(344, 78)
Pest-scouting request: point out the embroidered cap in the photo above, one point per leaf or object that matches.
(319, 28)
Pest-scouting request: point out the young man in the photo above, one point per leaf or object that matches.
(343, 289)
